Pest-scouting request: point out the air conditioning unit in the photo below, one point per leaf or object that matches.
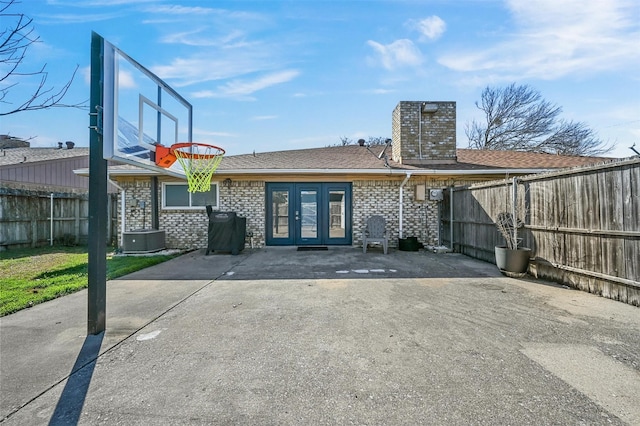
(143, 241)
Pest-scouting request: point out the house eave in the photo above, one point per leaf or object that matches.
(387, 172)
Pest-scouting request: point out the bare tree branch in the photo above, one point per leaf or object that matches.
(517, 118)
(373, 140)
(15, 41)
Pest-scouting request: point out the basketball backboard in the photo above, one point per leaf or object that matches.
(140, 111)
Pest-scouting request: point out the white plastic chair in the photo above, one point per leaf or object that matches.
(375, 232)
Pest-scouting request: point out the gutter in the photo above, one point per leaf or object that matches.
(418, 172)
(406, 179)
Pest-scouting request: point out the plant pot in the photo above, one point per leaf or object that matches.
(408, 244)
(510, 260)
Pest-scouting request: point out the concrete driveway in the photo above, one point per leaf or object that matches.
(278, 336)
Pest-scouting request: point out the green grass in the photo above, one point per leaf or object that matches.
(32, 276)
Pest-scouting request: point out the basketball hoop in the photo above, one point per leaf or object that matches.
(198, 160)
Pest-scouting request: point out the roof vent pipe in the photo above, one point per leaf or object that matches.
(70, 145)
(361, 142)
(59, 145)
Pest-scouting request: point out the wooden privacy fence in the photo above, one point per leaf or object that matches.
(30, 218)
(582, 224)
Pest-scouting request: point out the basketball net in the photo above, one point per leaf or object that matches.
(199, 162)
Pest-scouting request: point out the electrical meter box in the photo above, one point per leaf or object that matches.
(436, 194)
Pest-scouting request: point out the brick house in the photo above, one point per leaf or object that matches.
(323, 196)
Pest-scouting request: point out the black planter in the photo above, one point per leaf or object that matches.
(514, 261)
(408, 244)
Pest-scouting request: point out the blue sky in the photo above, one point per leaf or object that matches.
(276, 75)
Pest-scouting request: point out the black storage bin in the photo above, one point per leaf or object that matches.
(408, 244)
(227, 231)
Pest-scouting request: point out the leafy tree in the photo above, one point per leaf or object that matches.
(16, 36)
(518, 118)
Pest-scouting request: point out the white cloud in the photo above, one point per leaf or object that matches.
(180, 10)
(222, 55)
(97, 3)
(239, 87)
(557, 38)
(264, 117)
(199, 69)
(244, 88)
(86, 74)
(126, 80)
(208, 133)
(187, 37)
(198, 37)
(400, 53)
(177, 12)
(554, 39)
(76, 18)
(430, 28)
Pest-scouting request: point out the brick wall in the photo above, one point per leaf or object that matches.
(424, 136)
(137, 190)
(187, 228)
(420, 218)
(247, 198)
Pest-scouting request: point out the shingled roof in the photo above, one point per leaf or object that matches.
(354, 157)
(335, 157)
(12, 156)
(362, 159)
(518, 159)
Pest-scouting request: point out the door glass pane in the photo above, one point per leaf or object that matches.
(280, 214)
(336, 214)
(309, 214)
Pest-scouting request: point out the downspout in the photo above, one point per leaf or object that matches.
(401, 203)
(451, 218)
(122, 208)
(420, 106)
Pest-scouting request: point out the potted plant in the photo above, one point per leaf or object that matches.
(511, 258)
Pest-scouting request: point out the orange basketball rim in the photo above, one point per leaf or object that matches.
(198, 160)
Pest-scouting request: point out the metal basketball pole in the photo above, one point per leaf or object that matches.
(97, 294)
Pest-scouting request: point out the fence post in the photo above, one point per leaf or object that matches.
(34, 233)
(51, 221)
(76, 223)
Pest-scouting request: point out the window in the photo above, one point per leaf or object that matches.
(177, 196)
